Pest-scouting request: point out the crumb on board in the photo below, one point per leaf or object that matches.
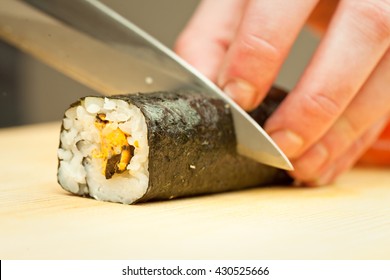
(148, 80)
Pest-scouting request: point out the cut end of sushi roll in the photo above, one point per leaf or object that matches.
(104, 150)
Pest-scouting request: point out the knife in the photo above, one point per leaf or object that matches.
(93, 44)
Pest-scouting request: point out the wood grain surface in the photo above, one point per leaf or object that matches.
(38, 220)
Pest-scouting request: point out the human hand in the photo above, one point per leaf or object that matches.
(342, 101)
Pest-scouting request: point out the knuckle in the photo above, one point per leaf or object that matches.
(320, 106)
(386, 56)
(180, 44)
(254, 46)
(372, 18)
(359, 144)
(349, 128)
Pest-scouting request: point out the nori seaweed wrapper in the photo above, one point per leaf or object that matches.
(192, 145)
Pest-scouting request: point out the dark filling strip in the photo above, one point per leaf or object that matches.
(117, 163)
(113, 163)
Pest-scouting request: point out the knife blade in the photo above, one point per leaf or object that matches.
(119, 57)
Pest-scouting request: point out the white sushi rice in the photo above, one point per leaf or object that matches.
(81, 173)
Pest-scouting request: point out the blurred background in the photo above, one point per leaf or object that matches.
(32, 92)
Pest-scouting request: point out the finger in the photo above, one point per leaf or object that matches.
(371, 104)
(266, 33)
(322, 15)
(204, 41)
(379, 153)
(351, 156)
(357, 38)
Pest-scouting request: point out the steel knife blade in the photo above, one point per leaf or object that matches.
(95, 45)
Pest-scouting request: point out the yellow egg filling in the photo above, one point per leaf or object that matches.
(115, 150)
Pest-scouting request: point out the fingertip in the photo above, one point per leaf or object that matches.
(241, 92)
(326, 178)
(289, 142)
(311, 162)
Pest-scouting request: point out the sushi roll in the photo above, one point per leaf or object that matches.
(155, 146)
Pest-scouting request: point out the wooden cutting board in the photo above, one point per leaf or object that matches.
(347, 220)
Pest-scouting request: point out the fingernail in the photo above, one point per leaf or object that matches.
(242, 92)
(289, 142)
(312, 160)
(326, 178)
